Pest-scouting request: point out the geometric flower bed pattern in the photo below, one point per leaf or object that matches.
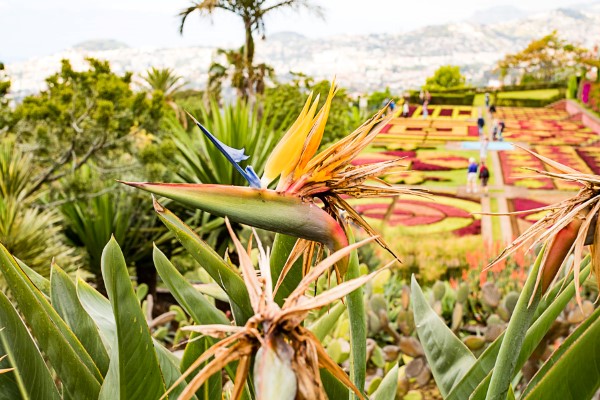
(433, 161)
(591, 156)
(441, 214)
(514, 174)
(568, 156)
(546, 126)
(526, 209)
(446, 112)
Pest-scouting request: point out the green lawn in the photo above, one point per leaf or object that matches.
(531, 94)
(522, 94)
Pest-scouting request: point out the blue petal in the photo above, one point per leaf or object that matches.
(234, 156)
(252, 178)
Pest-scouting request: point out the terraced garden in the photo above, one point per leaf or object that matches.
(436, 158)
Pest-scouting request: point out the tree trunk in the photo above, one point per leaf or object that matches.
(249, 59)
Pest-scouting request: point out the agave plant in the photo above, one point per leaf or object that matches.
(96, 346)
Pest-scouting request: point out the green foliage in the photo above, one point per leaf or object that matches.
(164, 80)
(572, 87)
(379, 99)
(445, 77)
(449, 358)
(90, 222)
(548, 59)
(30, 232)
(31, 378)
(284, 101)
(124, 379)
(5, 112)
(444, 98)
(358, 321)
(194, 159)
(83, 116)
(79, 374)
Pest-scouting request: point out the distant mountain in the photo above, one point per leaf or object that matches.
(100, 45)
(286, 36)
(494, 15)
(361, 62)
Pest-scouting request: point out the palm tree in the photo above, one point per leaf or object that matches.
(169, 83)
(234, 68)
(252, 13)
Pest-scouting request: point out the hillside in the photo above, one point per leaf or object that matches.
(362, 63)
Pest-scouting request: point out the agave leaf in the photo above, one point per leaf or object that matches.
(389, 385)
(225, 275)
(447, 355)
(76, 369)
(194, 349)
(477, 380)
(30, 378)
(282, 248)
(133, 347)
(194, 303)
(514, 336)
(261, 208)
(333, 387)
(63, 294)
(572, 372)
(326, 322)
(358, 324)
(99, 308)
(38, 280)
(201, 311)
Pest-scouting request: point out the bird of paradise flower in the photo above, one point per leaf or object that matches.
(309, 199)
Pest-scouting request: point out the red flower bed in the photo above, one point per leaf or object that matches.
(473, 131)
(412, 212)
(386, 128)
(422, 220)
(473, 229)
(591, 157)
(523, 206)
(446, 112)
(401, 153)
(417, 165)
(513, 173)
(366, 160)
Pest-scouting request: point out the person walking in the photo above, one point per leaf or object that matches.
(483, 149)
(392, 106)
(480, 124)
(405, 108)
(472, 176)
(484, 176)
(501, 126)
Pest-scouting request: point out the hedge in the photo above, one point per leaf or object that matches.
(519, 102)
(457, 99)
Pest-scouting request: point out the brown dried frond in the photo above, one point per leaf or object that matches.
(275, 328)
(574, 216)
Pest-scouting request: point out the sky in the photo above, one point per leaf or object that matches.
(37, 27)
